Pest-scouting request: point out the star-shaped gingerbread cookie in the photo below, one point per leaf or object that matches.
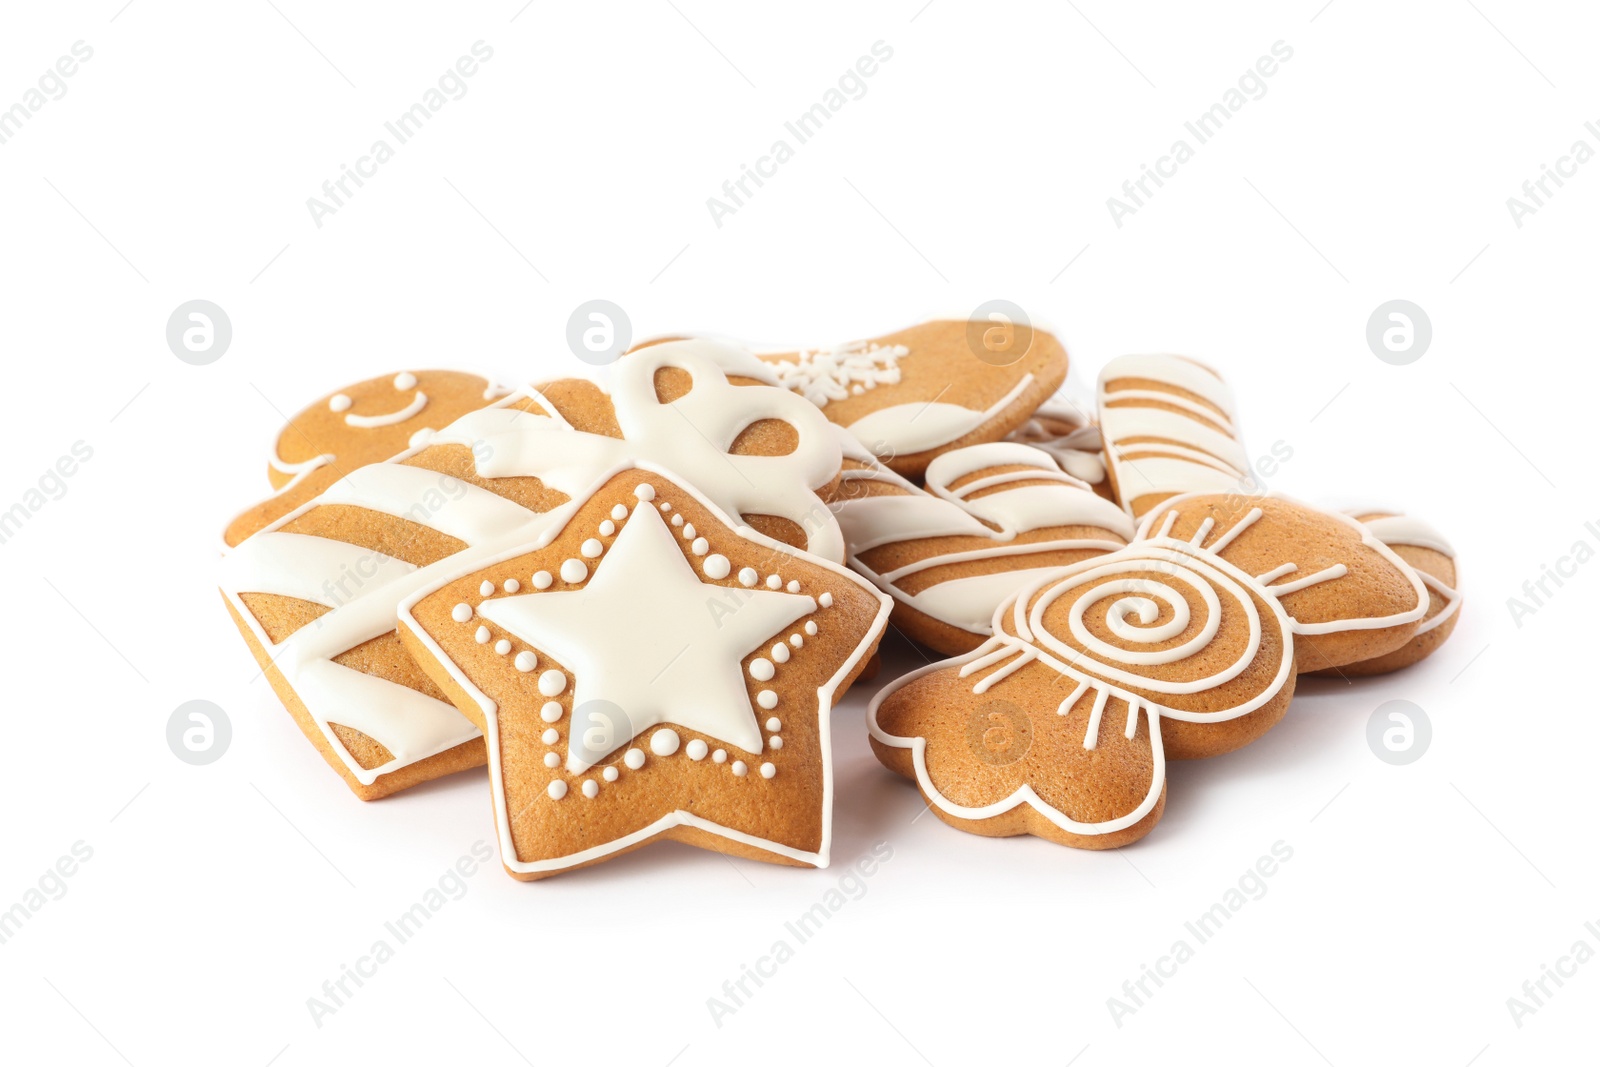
(647, 669)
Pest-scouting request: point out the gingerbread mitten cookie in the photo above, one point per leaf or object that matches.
(1184, 644)
(647, 670)
(367, 422)
(914, 394)
(992, 518)
(315, 593)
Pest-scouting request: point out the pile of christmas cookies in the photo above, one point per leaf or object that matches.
(636, 603)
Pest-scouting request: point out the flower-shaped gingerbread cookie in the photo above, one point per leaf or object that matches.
(645, 669)
(1184, 644)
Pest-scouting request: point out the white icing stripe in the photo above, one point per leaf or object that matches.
(375, 706)
(1000, 552)
(1451, 598)
(1158, 476)
(906, 429)
(968, 602)
(871, 521)
(950, 467)
(1212, 415)
(978, 485)
(1406, 530)
(1176, 370)
(1122, 423)
(1190, 455)
(310, 568)
(447, 504)
(368, 422)
(1338, 570)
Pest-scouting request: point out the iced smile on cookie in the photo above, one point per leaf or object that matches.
(340, 402)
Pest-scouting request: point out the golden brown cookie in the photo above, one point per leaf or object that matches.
(645, 670)
(1182, 645)
(1434, 560)
(315, 593)
(1169, 427)
(1068, 431)
(911, 395)
(362, 423)
(991, 518)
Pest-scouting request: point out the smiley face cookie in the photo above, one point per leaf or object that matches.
(911, 395)
(315, 593)
(991, 518)
(647, 670)
(360, 424)
(1182, 645)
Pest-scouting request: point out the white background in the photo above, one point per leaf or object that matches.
(977, 165)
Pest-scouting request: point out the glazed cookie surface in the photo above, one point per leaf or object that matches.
(647, 670)
(315, 594)
(1169, 427)
(911, 395)
(1065, 428)
(363, 423)
(991, 518)
(1184, 644)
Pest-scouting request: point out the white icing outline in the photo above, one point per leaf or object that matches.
(392, 418)
(1191, 457)
(460, 568)
(939, 511)
(300, 656)
(1149, 552)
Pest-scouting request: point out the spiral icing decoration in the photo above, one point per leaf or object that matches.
(1164, 621)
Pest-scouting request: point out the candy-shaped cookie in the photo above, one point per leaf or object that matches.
(992, 518)
(910, 395)
(363, 423)
(1066, 429)
(1169, 428)
(315, 593)
(1434, 560)
(1184, 644)
(647, 668)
